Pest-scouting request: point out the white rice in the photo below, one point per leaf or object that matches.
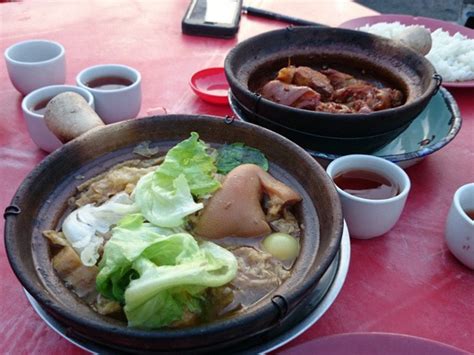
(452, 56)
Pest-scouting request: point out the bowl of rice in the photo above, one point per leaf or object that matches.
(452, 51)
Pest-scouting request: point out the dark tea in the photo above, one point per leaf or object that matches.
(40, 107)
(470, 214)
(366, 184)
(109, 83)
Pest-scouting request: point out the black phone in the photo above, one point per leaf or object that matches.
(215, 18)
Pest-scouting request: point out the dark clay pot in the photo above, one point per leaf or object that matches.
(256, 61)
(41, 201)
(311, 141)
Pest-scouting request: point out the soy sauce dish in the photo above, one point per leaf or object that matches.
(210, 85)
(373, 192)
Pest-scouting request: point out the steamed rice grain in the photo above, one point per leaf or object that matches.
(452, 56)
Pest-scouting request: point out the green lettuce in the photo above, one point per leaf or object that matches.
(190, 158)
(159, 276)
(230, 156)
(165, 196)
(162, 293)
(165, 207)
(129, 239)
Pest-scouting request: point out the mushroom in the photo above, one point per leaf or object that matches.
(68, 115)
(236, 210)
(417, 38)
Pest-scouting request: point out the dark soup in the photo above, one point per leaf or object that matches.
(222, 257)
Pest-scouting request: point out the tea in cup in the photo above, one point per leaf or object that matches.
(373, 192)
(116, 90)
(459, 231)
(34, 64)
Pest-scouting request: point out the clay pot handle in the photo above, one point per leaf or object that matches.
(68, 116)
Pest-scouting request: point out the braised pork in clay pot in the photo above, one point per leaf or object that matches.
(330, 82)
(99, 167)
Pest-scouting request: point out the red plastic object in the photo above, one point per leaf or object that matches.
(211, 85)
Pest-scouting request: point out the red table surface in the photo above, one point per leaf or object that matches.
(404, 282)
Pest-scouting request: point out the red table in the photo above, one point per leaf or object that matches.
(405, 282)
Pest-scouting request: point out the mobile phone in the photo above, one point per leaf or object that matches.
(215, 18)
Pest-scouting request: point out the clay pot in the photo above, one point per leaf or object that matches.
(41, 203)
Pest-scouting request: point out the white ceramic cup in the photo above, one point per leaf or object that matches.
(35, 63)
(117, 104)
(460, 227)
(367, 218)
(39, 132)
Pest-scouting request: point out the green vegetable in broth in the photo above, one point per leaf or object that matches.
(162, 293)
(159, 276)
(129, 240)
(232, 155)
(190, 158)
(163, 207)
(165, 196)
(149, 265)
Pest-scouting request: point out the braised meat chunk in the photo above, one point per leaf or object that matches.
(328, 90)
(291, 95)
(341, 80)
(333, 107)
(238, 203)
(367, 97)
(305, 76)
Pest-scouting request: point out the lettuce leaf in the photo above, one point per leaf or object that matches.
(159, 277)
(129, 239)
(232, 155)
(162, 293)
(83, 226)
(154, 268)
(190, 158)
(165, 207)
(165, 196)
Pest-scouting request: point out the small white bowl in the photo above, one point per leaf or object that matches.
(34, 64)
(459, 227)
(367, 218)
(117, 104)
(39, 132)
